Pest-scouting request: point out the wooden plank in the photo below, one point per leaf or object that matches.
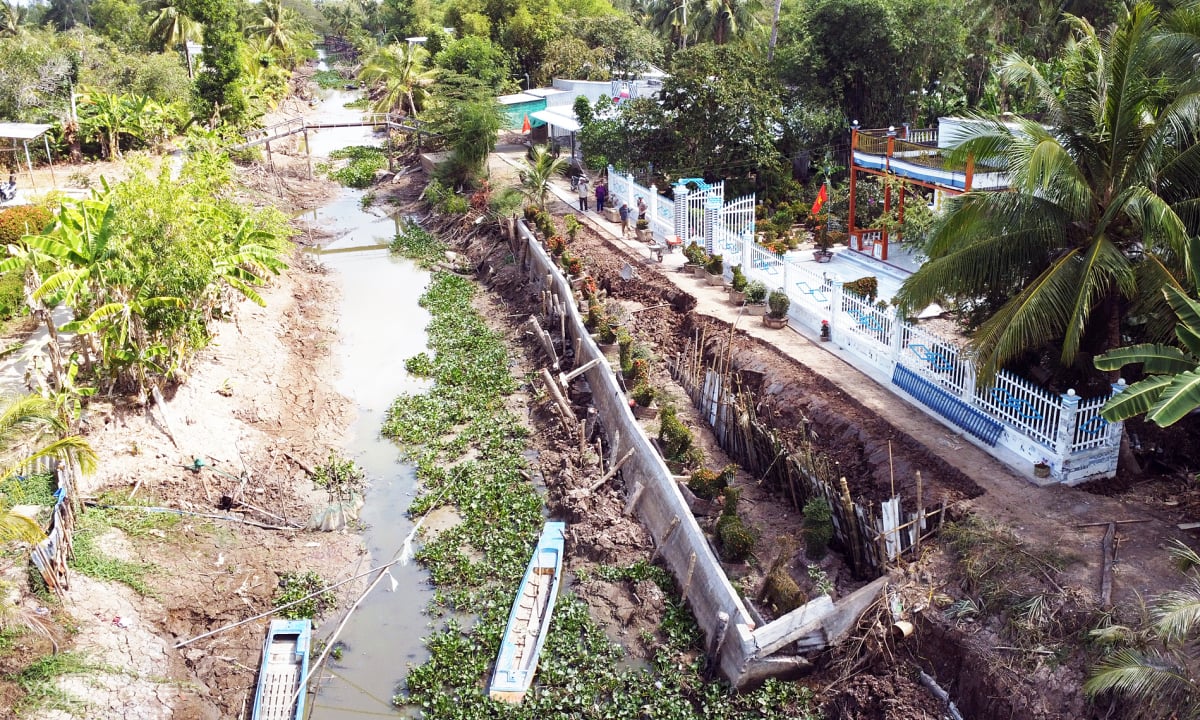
(785, 630)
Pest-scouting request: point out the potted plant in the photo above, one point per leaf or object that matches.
(641, 401)
(642, 228)
(716, 270)
(822, 242)
(572, 225)
(697, 259)
(737, 295)
(778, 304)
(557, 245)
(756, 298)
(1041, 469)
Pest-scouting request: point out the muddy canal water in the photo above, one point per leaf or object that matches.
(380, 325)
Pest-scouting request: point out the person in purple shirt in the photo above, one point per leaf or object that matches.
(601, 195)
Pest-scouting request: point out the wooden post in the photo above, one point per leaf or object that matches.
(665, 540)
(1108, 549)
(308, 152)
(687, 580)
(852, 529)
(920, 516)
(612, 471)
(568, 414)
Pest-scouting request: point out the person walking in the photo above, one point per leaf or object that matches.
(601, 195)
(625, 212)
(641, 208)
(583, 188)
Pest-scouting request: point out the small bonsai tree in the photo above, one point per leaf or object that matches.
(595, 316)
(867, 287)
(531, 212)
(778, 304)
(572, 225)
(756, 293)
(739, 279)
(605, 333)
(779, 588)
(676, 439)
(557, 245)
(625, 344)
(737, 538)
(695, 254)
(818, 527)
(643, 394)
(715, 265)
(642, 224)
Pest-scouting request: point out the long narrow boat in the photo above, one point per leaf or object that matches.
(281, 675)
(529, 621)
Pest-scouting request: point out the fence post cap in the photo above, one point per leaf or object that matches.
(1071, 392)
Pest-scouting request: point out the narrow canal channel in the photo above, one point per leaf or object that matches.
(380, 325)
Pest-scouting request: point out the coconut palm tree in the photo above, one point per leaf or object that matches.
(277, 25)
(726, 21)
(171, 27)
(669, 18)
(1102, 201)
(32, 428)
(539, 169)
(1153, 669)
(12, 16)
(399, 71)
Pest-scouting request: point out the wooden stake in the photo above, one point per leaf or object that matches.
(568, 414)
(687, 581)
(611, 472)
(920, 515)
(665, 540)
(630, 504)
(1108, 550)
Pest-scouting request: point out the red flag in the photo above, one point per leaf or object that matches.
(525, 126)
(822, 196)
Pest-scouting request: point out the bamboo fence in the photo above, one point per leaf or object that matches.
(51, 555)
(869, 537)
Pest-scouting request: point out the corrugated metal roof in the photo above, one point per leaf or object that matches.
(22, 131)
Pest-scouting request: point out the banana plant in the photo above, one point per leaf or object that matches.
(1171, 389)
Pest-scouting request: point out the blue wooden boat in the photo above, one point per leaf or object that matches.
(281, 675)
(529, 621)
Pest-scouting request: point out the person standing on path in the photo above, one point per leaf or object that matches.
(601, 195)
(583, 188)
(625, 212)
(641, 208)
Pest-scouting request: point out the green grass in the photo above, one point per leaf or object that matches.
(33, 490)
(39, 681)
(477, 565)
(90, 561)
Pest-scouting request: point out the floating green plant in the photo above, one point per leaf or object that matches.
(477, 564)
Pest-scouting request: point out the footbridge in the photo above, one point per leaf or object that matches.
(298, 125)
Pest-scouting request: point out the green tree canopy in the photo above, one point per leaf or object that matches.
(1102, 205)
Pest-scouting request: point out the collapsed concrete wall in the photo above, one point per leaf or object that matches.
(745, 652)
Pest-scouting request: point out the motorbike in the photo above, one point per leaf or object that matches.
(8, 190)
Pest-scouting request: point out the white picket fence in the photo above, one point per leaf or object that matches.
(1015, 420)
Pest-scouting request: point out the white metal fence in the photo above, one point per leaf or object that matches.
(1017, 421)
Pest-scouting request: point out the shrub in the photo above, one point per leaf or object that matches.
(756, 293)
(606, 333)
(596, 316)
(737, 539)
(572, 224)
(22, 220)
(778, 304)
(695, 254)
(715, 265)
(676, 439)
(706, 483)
(639, 371)
(867, 287)
(557, 245)
(818, 527)
(782, 590)
(531, 212)
(625, 345)
(643, 394)
(12, 296)
(739, 279)
(642, 224)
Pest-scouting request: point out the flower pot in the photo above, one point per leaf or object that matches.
(1041, 470)
(612, 352)
(736, 298)
(774, 323)
(613, 215)
(644, 413)
(699, 271)
(756, 309)
(822, 256)
(644, 235)
(716, 279)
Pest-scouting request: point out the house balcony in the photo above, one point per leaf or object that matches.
(917, 156)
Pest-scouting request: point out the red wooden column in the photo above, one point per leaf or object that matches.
(887, 190)
(855, 241)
